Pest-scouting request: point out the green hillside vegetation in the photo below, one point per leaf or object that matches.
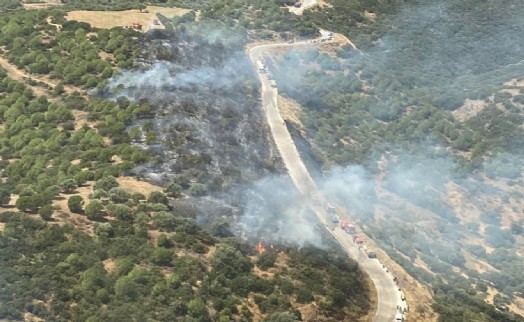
(119, 274)
(137, 259)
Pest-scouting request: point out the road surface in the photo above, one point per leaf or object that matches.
(389, 296)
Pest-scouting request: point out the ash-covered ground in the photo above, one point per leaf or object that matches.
(210, 138)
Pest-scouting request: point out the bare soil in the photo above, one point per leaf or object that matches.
(469, 109)
(21, 76)
(109, 265)
(110, 19)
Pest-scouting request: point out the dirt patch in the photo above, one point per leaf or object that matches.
(133, 185)
(22, 76)
(478, 265)
(106, 56)
(116, 159)
(63, 214)
(469, 109)
(30, 317)
(11, 205)
(109, 265)
(464, 208)
(517, 306)
(2, 226)
(110, 19)
(81, 119)
(370, 15)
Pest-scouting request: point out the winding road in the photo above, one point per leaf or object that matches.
(389, 295)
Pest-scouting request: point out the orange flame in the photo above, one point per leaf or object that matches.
(260, 248)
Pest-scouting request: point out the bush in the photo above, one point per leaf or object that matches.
(75, 204)
(94, 210)
(45, 212)
(266, 260)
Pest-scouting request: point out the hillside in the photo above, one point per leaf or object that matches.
(86, 239)
(419, 133)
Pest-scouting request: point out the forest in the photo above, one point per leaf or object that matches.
(79, 245)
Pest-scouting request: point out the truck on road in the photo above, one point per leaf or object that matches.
(260, 66)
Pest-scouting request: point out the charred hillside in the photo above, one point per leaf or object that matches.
(207, 129)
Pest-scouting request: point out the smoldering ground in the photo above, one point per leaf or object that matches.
(211, 112)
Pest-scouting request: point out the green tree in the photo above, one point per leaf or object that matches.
(75, 204)
(94, 210)
(266, 260)
(5, 196)
(106, 183)
(221, 228)
(198, 309)
(158, 197)
(281, 317)
(45, 212)
(230, 262)
(28, 203)
(118, 195)
(162, 256)
(68, 185)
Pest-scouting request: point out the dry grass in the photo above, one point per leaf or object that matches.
(469, 109)
(41, 5)
(133, 185)
(290, 111)
(81, 119)
(63, 214)
(109, 265)
(370, 15)
(110, 19)
(478, 265)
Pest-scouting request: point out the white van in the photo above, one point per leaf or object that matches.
(399, 317)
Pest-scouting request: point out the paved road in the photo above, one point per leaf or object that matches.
(387, 291)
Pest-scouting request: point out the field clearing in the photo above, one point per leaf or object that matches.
(133, 185)
(110, 19)
(41, 5)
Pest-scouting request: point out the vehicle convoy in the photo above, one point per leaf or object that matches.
(260, 66)
(348, 227)
(387, 289)
(332, 213)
